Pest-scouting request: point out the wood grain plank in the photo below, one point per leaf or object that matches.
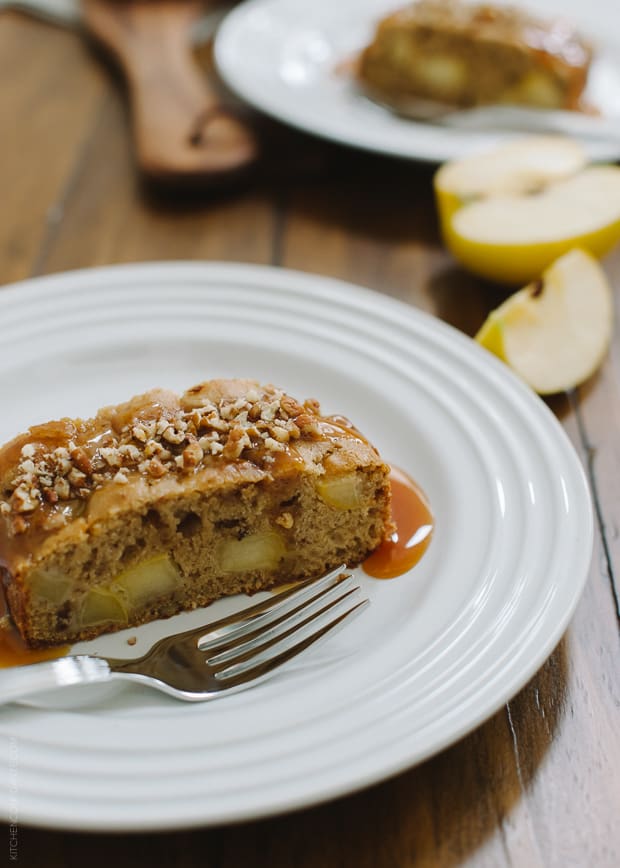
(48, 100)
(599, 414)
(109, 217)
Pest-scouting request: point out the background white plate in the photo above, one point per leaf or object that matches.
(282, 57)
(439, 649)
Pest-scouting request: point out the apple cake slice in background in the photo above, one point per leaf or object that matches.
(464, 55)
(166, 503)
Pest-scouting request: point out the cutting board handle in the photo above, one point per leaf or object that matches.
(181, 126)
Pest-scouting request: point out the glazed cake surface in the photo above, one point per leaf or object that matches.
(169, 502)
(465, 54)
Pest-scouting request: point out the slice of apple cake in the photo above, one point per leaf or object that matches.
(465, 54)
(166, 503)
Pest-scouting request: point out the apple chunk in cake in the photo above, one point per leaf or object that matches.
(167, 503)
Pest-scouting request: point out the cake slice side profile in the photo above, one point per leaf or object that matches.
(167, 503)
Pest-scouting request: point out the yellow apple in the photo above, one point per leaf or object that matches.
(509, 214)
(555, 333)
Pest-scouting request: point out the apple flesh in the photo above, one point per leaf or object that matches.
(555, 333)
(522, 166)
(509, 214)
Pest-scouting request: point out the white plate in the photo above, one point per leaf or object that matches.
(282, 57)
(439, 649)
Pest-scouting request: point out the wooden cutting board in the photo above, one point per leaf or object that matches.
(183, 129)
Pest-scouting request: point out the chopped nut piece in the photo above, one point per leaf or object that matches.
(307, 425)
(149, 428)
(192, 455)
(237, 441)
(139, 433)
(171, 435)
(76, 477)
(217, 423)
(81, 460)
(285, 520)
(50, 495)
(290, 406)
(155, 468)
(25, 499)
(62, 489)
(268, 412)
(111, 456)
(254, 413)
(161, 425)
(63, 464)
(129, 451)
(312, 406)
(151, 448)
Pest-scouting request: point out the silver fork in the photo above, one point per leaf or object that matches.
(222, 657)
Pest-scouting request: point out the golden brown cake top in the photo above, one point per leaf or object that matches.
(558, 37)
(217, 430)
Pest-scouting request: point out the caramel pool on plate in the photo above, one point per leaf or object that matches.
(414, 529)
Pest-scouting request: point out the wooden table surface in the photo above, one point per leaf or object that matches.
(539, 783)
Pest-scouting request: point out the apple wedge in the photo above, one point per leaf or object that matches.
(555, 333)
(509, 214)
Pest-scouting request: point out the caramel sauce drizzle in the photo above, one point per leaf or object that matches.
(414, 529)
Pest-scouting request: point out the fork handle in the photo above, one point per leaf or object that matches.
(21, 681)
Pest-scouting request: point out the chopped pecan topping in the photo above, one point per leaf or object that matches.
(179, 440)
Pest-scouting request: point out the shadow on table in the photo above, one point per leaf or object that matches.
(464, 301)
(442, 812)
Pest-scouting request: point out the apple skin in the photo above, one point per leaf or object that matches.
(490, 212)
(516, 264)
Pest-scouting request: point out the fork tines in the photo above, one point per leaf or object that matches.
(255, 641)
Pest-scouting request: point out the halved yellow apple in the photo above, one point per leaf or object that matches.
(555, 333)
(520, 167)
(509, 214)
